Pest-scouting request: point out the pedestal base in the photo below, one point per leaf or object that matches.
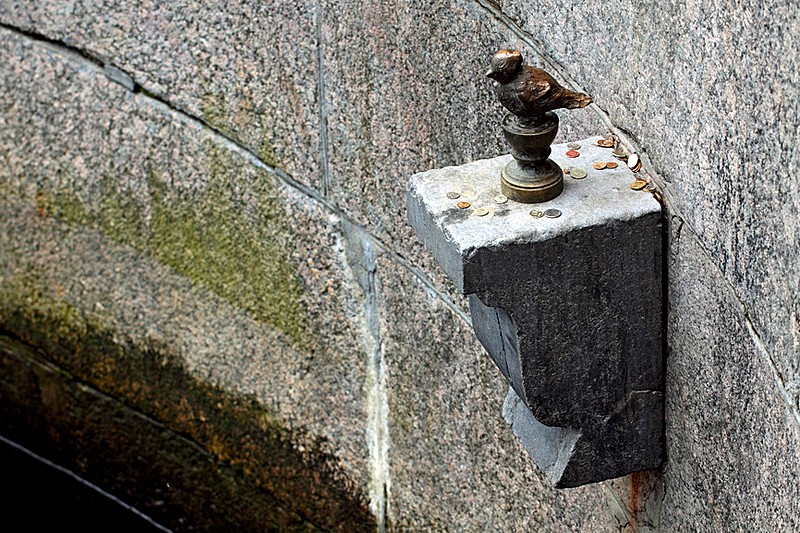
(530, 186)
(531, 177)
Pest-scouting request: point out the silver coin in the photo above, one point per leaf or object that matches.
(453, 195)
(552, 213)
(574, 146)
(535, 213)
(577, 173)
(481, 212)
(633, 160)
(500, 199)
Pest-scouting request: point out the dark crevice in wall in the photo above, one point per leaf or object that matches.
(58, 470)
(231, 142)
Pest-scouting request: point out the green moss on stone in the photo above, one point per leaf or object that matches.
(213, 108)
(212, 238)
(63, 205)
(243, 259)
(266, 152)
(121, 217)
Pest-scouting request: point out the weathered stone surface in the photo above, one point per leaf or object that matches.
(594, 388)
(455, 464)
(158, 263)
(714, 100)
(733, 445)
(249, 69)
(407, 91)
(149, 467)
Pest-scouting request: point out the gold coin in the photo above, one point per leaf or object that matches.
(463, 205)
(611, 164)
(599, 165)
(481, 212)
(638, 185)
(535, 213)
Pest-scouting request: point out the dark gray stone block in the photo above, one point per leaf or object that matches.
(568, 308)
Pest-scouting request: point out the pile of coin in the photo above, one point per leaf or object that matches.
(605, 143)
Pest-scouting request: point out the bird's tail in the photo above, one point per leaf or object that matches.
(577, 100)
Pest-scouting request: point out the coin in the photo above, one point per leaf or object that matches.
(578, 173)
(463, 205)
(619, 154)
(567, 170)
(633, 160)
(481, 212)
(552, 213)
(573, 153)
(638, 185)
(605, 143)
(535, 213)
(574, 146)
(500, 199)
(453, 195)
(611, 164)
(599, 165)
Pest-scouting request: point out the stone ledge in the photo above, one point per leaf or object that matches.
(569, 308)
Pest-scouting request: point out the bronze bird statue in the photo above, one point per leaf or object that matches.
(527, 91)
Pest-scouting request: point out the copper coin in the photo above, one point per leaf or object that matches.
(599, 165)
(638, 185)
(605, 143)
(463, 205)
(573, 153)
(611, 164)
(567, 170)
(453, 195)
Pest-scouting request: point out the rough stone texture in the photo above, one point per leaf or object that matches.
(733, 444)
(158, 263)
(711, 91)
(595, 389)
(455, 465)
(225, 62)
(146, 465)
(406, 90)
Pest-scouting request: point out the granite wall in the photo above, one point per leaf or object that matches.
(211, 304)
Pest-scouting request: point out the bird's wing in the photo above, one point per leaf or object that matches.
(536, 85)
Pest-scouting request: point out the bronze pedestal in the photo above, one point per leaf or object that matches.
(531, 177)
